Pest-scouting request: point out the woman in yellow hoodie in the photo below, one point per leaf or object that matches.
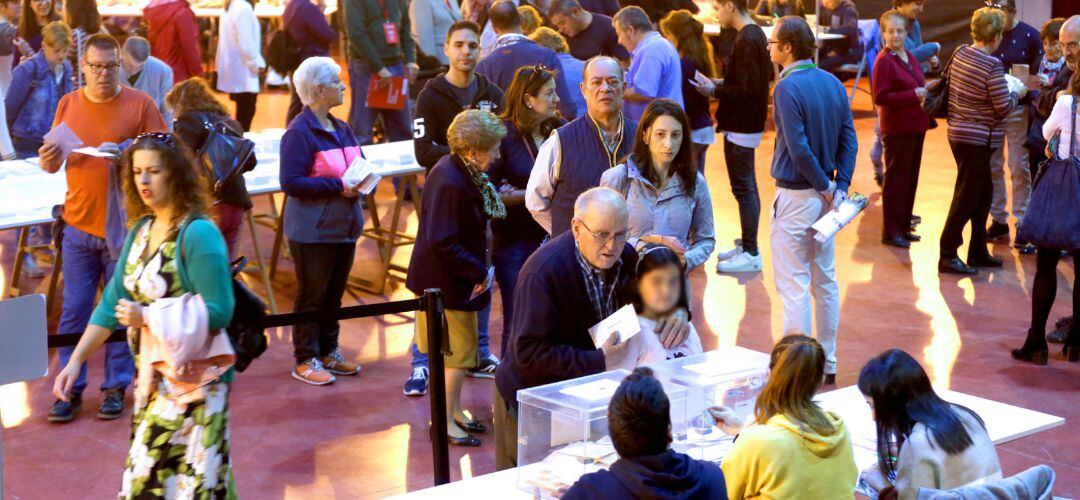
(797, 450)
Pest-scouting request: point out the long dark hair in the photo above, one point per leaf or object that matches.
(28, 23)
(902, 396)
(688, 36)
(188, 188)
(684, 166)
(82, 14)
(653, 257)
(527, 81)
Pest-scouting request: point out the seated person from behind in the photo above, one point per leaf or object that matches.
(661, 291)
(639, 420)
(840, 17)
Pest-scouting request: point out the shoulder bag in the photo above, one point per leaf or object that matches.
(225, 153)
(1053, 216)
(936, 102)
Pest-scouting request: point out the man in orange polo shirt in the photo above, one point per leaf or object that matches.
(102, 114)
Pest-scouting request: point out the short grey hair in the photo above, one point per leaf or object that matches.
(138, 47)
(595, 59)
(633, 17)
(312, 72)
(474, 130)
(599, 197)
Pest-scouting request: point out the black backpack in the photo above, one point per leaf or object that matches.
(225, 153)
(282, 55)
(246, 333)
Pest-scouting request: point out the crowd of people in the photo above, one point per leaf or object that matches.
(565, 147)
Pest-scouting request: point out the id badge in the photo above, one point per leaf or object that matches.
(391, 32)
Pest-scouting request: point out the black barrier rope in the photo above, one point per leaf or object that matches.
(430, 304)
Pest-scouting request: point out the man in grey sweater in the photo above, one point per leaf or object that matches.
(141, 71)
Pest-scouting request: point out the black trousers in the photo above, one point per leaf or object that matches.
(903, 159)
(971, 200)
(322, 270)
(740, 167)
(1043, 292)
(245, 108)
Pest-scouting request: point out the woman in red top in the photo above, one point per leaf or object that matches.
(899, 90)
(173, 32)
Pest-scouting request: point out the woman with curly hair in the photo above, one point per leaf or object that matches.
(172, 255)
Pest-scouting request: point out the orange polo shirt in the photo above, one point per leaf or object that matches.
(124, 117)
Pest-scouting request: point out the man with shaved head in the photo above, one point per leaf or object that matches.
(568, 285)
(577, 154)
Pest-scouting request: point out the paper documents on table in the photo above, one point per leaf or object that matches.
(624, 323)
(837, 218)
(65, 138)
(485, 286)
(89, 151)
(361, 176)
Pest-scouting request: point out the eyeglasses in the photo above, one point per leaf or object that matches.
(1071, 46)
(104, 68)
(999, 5)
(161, 137)
(538, 71)
(603, 237)
(773, 42)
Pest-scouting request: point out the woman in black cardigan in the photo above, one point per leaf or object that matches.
(450, 252)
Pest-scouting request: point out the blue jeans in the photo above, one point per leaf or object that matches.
(397, 123)
(483, 342)
(86, 262)
(509, 258)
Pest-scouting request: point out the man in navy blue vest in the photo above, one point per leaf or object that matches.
(512, 50)
(598, 141)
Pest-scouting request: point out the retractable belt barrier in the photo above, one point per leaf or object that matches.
(429, 304)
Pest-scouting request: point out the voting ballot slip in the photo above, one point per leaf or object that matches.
(361, 176)
(827, 227)
(623, 323)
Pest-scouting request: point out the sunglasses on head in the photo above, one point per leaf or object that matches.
(160, 137)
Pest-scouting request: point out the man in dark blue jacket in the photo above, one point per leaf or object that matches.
(567, 286)
(513, 50)
(639, 419)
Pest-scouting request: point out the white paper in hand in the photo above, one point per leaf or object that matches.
(485, 286)
(89, 151)
(623, 323)
(65, 138)
(827, 227)
(361, 176)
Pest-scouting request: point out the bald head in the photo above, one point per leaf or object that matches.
(602, 85)
(600, 226)
(1070, 39)
(505, 17)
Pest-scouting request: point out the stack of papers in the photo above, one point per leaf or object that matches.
(361, 176)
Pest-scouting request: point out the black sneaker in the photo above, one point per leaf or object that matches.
(112, 405)
(417, 383)
(486, 368)
(64, 411)
(997, 233)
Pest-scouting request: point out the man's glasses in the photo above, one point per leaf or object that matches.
(1071, 46)
(603, 237)
(99, 69)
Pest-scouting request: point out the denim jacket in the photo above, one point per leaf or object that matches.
(666, 212)
(33, 96)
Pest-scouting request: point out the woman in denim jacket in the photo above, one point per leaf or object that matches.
(36, 88)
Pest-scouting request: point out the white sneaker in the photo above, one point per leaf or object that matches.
(741, 263)
(733, 252)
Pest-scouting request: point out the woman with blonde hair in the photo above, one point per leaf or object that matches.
(795, 449)
(451, 251)
(687, 34)
(530, 19)
(197, 111)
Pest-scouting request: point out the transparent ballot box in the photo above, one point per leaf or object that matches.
(563, 430)
(730, 376)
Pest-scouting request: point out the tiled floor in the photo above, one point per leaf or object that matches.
(362, 438)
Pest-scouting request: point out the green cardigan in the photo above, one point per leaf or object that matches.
(203, 268)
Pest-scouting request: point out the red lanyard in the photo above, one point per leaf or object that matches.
(385, 10)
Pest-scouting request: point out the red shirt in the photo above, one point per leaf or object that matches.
(894, 84)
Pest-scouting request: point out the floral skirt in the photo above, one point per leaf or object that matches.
(180, 451)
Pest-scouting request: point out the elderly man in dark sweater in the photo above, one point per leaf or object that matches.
(568, 285)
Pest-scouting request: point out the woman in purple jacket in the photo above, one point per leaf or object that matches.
(308, 29)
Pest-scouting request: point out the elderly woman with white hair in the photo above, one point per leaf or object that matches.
(323, 217)
(451, 254)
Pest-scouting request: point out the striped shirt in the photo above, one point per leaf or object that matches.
(979, 98)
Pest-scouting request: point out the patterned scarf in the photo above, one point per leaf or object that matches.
(493, 204)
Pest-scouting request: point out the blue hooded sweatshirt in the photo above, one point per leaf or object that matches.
(669, 475)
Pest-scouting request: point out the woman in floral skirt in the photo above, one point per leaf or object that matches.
(180, 438)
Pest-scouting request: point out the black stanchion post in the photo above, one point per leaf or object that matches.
(440, 447)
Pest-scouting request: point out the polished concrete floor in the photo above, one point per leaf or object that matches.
(361, 438)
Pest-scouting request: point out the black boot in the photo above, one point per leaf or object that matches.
(1034, 350)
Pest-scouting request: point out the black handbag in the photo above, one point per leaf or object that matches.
(936, 102)
(1052, 219)
(225, 153)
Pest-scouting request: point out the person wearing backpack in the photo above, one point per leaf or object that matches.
(305, 24)
(196, 107)
(173, 259)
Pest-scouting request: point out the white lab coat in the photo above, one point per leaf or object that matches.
(239, 56)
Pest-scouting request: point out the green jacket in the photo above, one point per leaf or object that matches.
(203, 268)
(367, 40)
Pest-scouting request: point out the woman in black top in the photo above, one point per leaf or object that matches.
(687, 34)
(195, 106)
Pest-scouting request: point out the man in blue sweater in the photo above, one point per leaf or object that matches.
(513, 50)
(812, 164)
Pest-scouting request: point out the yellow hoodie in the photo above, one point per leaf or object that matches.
(783, 461)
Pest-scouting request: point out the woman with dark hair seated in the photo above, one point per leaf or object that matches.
(639, 420)
(923, 440)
